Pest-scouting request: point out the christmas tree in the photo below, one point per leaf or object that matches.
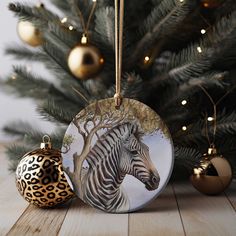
(176, 53)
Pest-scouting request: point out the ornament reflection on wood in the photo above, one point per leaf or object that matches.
(40, 178)
(29, 34)
(85, 60)
(213, 175)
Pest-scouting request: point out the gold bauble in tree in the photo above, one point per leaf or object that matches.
(213, 175)
(29, 34)
(40, 178)
(211, 3)
(85, 60)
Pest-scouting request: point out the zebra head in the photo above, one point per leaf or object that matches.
(136, 160)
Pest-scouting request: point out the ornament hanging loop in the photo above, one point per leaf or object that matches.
(119, 17)
(118, 100)
(84, 39)
(85, 25)
(46, 144)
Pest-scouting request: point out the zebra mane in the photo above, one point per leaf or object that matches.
(133, 128)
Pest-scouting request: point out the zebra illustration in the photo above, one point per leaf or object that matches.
(116, 153)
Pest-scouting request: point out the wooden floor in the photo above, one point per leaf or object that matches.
(179, 210)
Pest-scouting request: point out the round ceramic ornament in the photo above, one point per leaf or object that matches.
(117, 160)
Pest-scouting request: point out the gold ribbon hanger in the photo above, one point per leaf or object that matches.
(119, 19)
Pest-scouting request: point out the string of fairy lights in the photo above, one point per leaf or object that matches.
(147, 58)
(184, 103)
(199, 50)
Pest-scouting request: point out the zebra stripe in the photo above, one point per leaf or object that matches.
(116, 153)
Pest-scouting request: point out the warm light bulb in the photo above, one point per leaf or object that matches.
(101, 60)
(71, 27)
(13, 77)
(184, 102)
(184, 128)
(94, 0)
(210, 118)
(199, 49)
(146, 59)
(64, 20)
(197, 171)
(181, 0)
(203, 31)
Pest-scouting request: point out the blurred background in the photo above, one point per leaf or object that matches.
(13, 107)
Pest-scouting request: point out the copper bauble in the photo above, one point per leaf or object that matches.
(85, 61)
(211, 3)
(29, 34)
(213, 175)
(40, 178)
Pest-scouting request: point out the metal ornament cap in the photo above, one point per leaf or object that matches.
(46, 144)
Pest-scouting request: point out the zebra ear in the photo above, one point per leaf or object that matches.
(136, 130)
(133, 128)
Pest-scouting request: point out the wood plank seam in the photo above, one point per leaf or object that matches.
(17, 220)
(64, 217)
(129, 224)
(177, 203)
(38, 221)
(230, 201)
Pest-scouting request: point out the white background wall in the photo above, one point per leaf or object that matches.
(11, 107)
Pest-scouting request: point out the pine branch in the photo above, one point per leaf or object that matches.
(63, 35)
(53, 111)
(188, 157)
(167, 15)
(15, 153)
(185, 160)
(31, 135)
(226, 8)
(19, 129)
(67, 81)
(160, 63)
(24, 131)
(104, 26)
(38, 15)
(156, 2)
(57, 54)
(226, 127)
(187, 87)
(62, 5)
(83, 7)
(33, 138)
(27, 84)
(24, 53)
(223, 33)
(132, 86)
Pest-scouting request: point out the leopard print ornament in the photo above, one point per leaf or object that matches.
(40, 178)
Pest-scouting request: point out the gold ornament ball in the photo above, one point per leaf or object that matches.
(29, 34)
(40, 178)
(213, 175)
(85, 61)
